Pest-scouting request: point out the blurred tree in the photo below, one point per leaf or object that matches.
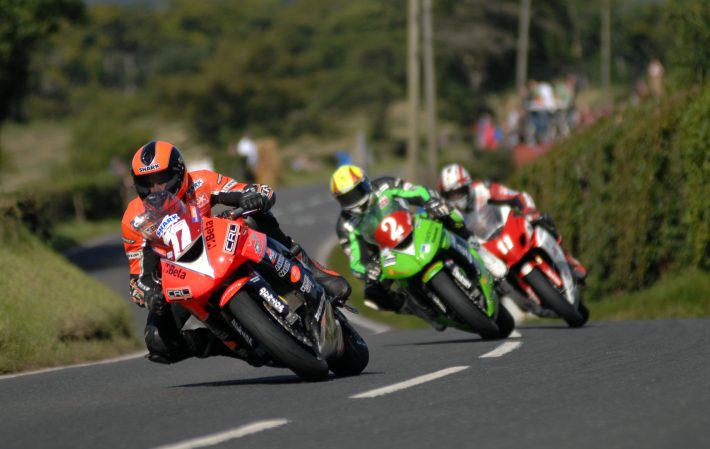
(23, 24)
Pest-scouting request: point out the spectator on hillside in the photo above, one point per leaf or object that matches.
(487, 134)
(247, 148)
(655, 77)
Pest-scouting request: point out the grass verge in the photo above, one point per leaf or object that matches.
(676, 295)
(51, 313)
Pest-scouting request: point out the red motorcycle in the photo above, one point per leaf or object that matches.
(249, 291)
(530, 261)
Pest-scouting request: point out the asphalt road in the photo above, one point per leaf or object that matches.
(609, 384)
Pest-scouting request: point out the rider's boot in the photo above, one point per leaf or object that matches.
(410, 306)
(334, 284)
(579, 271)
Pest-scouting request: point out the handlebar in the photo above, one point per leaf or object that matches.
(235, 213)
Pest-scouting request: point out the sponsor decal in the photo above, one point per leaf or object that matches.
(242, 332)
(461, 277)
(272, 255)
(388, 259)
(148, 168)
(271, 299)
(296, 274)
(202, 200)
(280, 261)
(209, 234)
(230, 243)
(266, 190)
(255, 243)
(133, 255)
(174, 271)
(383, 201)
(128, 241)
(167, 221)
(179, 293)
(307, 285)
(228, 186)
(197, 184)
(424, 248)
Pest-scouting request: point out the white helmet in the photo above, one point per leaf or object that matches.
(455, 186)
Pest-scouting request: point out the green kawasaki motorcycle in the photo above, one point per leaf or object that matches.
(441, 275)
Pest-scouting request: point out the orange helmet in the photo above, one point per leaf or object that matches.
(158, 166)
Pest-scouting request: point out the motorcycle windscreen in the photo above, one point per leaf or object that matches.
(169, 224)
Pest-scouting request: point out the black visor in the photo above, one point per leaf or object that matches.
(144, 183)
(455, 194)
(356, 197)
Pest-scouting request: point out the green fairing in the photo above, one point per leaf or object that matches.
(427, 241)
(485, 281)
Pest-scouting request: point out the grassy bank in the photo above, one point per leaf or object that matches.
(676, 295)
(50, 312)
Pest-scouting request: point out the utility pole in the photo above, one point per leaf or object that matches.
(606, 52)
(430, 90)
(521, 64)
(413, 90)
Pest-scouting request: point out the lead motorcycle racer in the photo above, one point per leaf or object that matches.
(159, 166)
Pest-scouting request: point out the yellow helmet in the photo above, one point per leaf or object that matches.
(351, 187)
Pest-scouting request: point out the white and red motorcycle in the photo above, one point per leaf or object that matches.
(529, 261)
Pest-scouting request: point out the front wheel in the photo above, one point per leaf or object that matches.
(505, 322)
(553, 299)
(355, 356)
(451, 294)
(277, 341)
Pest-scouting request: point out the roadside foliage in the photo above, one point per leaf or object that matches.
(631, 194)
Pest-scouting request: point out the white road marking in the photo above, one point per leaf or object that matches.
(409, 383)
(515, 334)
(502, 349)
(135, 355)
(217, 438)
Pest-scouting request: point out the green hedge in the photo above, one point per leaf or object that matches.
(94, 197)
(631, 194)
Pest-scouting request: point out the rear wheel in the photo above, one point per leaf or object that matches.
(553, 299)
(355, 356)
(451, 294)
(277, 341)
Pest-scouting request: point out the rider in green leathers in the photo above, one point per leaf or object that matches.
(356, 193)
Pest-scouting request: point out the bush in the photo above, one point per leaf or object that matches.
(630, 195)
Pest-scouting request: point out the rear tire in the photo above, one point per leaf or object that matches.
(277, 341)
(451, 294)
(553, 299)
(355, 356)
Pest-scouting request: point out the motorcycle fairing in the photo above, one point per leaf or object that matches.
(545, 240)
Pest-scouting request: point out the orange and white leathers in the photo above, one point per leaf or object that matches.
(142, 258)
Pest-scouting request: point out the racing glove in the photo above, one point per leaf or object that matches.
(252, 201)
(437, 209)
(374, 270)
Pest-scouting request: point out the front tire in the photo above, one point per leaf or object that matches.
(277, 341)
(553, 299)
(505, 322)
(451, 294)
(355, 356)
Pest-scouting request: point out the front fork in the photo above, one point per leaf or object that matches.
(278, 262)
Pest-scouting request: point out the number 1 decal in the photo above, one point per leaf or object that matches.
(177, 237)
